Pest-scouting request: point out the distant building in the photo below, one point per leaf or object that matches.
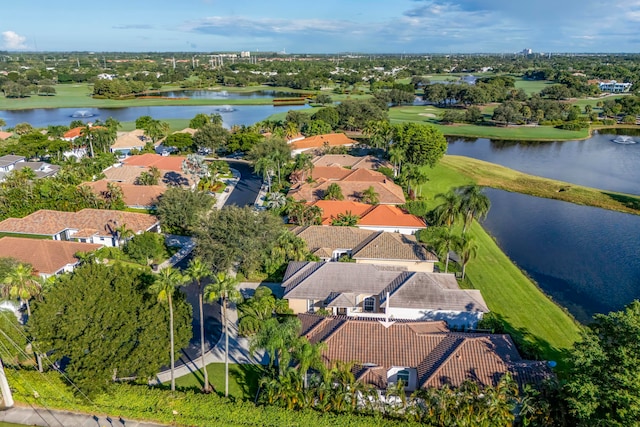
(245, 54)
(527, 51)
(613, 86)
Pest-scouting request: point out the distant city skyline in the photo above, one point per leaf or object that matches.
(330, 26)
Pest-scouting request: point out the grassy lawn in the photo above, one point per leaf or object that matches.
(526, 311)
(79, 96)
(243, 380)
(531, 86)
(429, 114)
(496, 176)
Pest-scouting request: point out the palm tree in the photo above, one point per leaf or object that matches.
(447, 212)
(309, 356)
(277, 338)
(370, 196)
(474, 205)
(197, 271)
(334, 192)
(21, 283)
(224, 288)
(165, 286)
(275, 200)
(397, 156)
(87, 135)
(346, 219)
(3, 123)
(443, 240)
(467, 249)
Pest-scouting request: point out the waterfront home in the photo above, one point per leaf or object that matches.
(421, 354)
(380, 291)
(366, 247)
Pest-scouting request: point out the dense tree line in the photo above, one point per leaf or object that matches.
(117, 88)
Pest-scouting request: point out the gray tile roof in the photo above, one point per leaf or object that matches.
(432, 291)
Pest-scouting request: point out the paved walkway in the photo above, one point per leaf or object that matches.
(221, 198)
(52, 418)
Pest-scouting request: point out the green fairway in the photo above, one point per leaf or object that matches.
(532, 86)
(526, 311)
(243, 379)
(79, 96)
(429, 114)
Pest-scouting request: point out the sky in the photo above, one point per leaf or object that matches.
(322, 26)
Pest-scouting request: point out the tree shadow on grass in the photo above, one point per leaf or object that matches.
(630, 202)
(247, 376)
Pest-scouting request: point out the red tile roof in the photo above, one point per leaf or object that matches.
(133, 195)
(331, 209)
(370, 215)
(46, 256)
(76, 132)
(438, 356)
(318, 141)
(170, 163)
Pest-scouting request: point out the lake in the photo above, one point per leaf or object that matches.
(231, 114)
(223, 94)
(585, 258)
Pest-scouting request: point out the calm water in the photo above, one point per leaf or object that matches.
(587, 259)
(596, 162)
(214, 94)
(240, 114)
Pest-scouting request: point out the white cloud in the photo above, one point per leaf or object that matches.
(13, 41)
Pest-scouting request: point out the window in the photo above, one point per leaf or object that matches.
(403, 375)
(369, 304)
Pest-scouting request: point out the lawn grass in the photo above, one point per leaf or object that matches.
(528, 314)
(532, 86)
(243, 379)
(79, 96)
(424, 114)
(496, 176)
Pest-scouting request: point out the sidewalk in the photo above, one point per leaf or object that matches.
(49, 417)
(238, 348)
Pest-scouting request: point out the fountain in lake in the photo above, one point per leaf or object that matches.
(83, 114)
(623, 139)
(225, 109)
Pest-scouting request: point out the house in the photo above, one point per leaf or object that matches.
(349, 161)
(127, 141)
(47, 257)
(367, 247)
(613, 86)
(380, 291)
(321, 141)
(166, 163)
(353, 184)
(86, 226)
(134, 196)
(5, 135)
(421, 354)
(372, 217)
(41, 169)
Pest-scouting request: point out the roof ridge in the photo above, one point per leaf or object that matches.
(395, 284)
(365, 242)
(432, 366)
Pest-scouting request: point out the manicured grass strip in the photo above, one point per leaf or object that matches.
(496, 176)
(243, 379)
(190, 408)
(515, 299)
(424, 114)
(527, 312)
(532, 86)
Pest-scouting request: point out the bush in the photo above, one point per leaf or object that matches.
(576, 125)
(608, 122)
(388, 172)
(417, 207)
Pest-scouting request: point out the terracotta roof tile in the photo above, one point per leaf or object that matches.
(382, 215)
(141, 196)
(46, 256)
(388, 192)
(318, 141)
(353, 162)
(5, 135)
(167, 163)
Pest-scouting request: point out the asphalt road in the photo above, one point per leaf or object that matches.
(245, 193)
(248, 187)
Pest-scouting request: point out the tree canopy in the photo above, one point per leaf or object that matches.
(422, 144)
(103, 321)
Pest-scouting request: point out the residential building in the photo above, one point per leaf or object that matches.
(47, 257)
(8, 162)
(128, 141)
(612, 86)
(367, 247)
(5, 135)
(372, 217)
(349, 161)
(381, 291)
(167, 163)
(40, 169)
(421, 354)
(86, 226)
(321, 141)
(134, 196)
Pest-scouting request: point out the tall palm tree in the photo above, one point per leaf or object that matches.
(443, 240)
(474, 205)
(224, 288)
(87, 135)
(467, 249)
(447, 212)
(309, 356)
(21, 283)
(197, 271)
(370, 196)
(276, 338)
(397, 156)
(165, 287)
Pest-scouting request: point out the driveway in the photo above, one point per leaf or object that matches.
(246, 191)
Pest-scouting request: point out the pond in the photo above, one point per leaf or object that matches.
(231, 114)
(223, 94)
(595, 162)
(585, 258)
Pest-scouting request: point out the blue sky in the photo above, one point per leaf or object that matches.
(322, 26)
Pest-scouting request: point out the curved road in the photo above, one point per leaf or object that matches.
(244, 194)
